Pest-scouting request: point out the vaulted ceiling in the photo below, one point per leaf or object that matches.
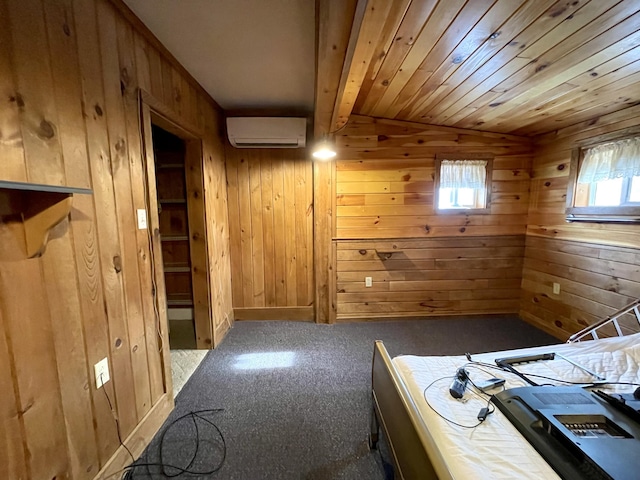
(513, 66)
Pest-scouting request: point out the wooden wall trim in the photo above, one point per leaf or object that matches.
(223, 328)
(160, 293)
(217, 222)
(301, 314)
(323, 259)
(168, 119)
(426, 318)
(197, 225)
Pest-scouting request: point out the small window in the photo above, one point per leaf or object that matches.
(605, 182)
(462, 184)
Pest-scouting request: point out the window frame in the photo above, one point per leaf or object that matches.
(487, 187)
(614, 214)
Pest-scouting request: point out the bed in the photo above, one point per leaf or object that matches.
(425, 446)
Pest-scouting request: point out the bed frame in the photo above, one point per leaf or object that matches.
(413, 450)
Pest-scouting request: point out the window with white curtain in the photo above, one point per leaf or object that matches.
(606, 182)
(461, 184)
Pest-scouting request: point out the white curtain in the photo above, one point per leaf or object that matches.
(463, 173)
(612, 160)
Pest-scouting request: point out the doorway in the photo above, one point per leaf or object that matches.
(169, 152)
(175, 181)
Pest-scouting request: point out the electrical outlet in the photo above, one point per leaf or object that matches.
(142, 219)
(368, 281)
(556, 288)
(102, 372)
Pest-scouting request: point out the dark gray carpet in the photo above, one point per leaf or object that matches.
(296, 396)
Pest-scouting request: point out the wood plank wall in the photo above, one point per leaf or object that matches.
(271, 231)
(217, 224)
(69, 116)
(429, 277)
(422, 263)
(596, 265)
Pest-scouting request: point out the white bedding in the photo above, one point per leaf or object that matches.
(495, 449)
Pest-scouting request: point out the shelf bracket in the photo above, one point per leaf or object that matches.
(38, 207)
(40, 217)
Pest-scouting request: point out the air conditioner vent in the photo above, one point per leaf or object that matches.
(267, 132)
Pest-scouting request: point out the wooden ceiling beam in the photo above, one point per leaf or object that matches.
(388, 38)
(334, 22)
(369, 21)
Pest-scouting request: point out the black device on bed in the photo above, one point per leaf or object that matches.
(581, 434)
(459, 384)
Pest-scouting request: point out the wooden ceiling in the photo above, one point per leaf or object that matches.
(523, 67)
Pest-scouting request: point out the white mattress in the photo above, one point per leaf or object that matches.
(495, 449)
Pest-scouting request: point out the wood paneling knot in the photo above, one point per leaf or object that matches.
(117, 263)
(46, 130)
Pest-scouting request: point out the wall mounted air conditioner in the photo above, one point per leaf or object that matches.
(267, 132)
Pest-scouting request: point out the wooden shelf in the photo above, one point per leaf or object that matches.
(179, 300)
(175, 201)
(38, 207)
(179, 303)
(174, 238)
(168, 269)
(171, 166)
(37, 187)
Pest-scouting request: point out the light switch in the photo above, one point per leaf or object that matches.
(368, 281)
(142, 219)
(556, 288)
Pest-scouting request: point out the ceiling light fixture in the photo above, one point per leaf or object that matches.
(324, 150)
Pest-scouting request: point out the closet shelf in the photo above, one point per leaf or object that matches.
(170, 166)
(174, 238)
(168, 269)
(179, 300)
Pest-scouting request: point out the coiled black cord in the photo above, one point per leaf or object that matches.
(168, 470)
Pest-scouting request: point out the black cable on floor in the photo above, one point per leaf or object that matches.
(168, 470)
